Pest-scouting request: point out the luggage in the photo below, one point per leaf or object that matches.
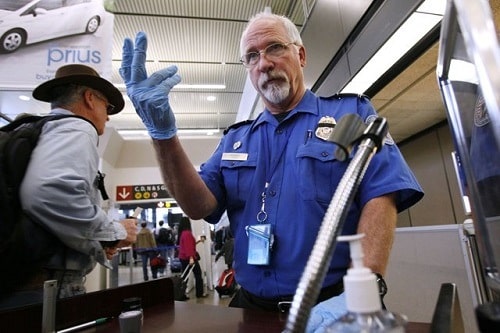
(158, 262)
(180, 284)
(175, 265)
(227, 284)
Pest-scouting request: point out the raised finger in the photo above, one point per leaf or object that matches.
(127, 55)
(161, 75)
(170, 82)
(139, 58)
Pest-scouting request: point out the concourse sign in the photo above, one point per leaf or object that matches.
(141, 192)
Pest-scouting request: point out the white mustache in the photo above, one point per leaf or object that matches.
(266, 77)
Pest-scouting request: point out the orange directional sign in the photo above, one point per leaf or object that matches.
(141, 192)
(123, 193)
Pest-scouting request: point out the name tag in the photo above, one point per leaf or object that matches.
(234, 157)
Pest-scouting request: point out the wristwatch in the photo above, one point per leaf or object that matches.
(382, 286)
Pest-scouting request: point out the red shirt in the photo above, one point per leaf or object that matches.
(187, 245)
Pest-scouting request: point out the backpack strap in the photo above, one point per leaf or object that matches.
(31, 118)
(20, 121)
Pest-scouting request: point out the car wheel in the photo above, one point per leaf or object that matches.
(92, 25)
(12, 40)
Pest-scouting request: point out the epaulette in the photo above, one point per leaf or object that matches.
(341, 95)
(238, 124)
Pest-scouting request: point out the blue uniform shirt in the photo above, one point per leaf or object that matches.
(302, 174)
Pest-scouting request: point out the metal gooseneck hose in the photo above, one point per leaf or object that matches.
(314, 273)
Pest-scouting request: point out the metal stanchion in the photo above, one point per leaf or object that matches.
(49, 306)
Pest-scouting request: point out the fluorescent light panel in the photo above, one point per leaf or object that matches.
(199, 131)
(413, 30)
(142, 134)
(200, 86)
(188, 86)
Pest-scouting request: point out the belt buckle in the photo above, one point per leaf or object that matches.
(284, 306)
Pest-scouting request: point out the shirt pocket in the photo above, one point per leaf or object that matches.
(238, 177)
(319, 171)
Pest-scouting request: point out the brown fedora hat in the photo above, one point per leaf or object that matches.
(81, 75)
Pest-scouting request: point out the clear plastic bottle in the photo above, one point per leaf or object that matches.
(365, 313)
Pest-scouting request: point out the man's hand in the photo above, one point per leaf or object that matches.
(110, 252)
(130, 226)
(149, 95)
(325, 313)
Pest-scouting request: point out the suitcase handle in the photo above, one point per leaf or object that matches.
(187, 271)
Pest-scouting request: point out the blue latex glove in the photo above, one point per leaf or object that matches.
(325, 313)
(149, 95)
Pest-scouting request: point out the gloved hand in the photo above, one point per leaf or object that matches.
(325, 313)
(149, 95)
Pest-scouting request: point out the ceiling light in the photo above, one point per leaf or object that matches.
(24, 98)
(137, 134)
(211, 98)
(200, 131)
(413, 30)
(437, 7)
(200, 86)
(122, 87)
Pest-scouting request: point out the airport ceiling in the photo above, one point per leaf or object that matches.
(202, 39)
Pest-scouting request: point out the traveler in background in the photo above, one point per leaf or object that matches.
(145, 246)
(277, 170)
(227, 250)
(220, 235)
(188, 255)
(60, 190)
(171, 244)
(165, 242)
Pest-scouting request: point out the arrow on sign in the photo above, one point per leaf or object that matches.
(124, 193)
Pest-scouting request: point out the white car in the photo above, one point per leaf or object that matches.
(26, 22)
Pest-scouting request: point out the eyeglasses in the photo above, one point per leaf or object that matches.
(109, 107)
(273, 51)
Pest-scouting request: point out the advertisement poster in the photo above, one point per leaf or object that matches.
(39, 36)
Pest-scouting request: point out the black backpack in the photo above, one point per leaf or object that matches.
(165, 236)
(24, 244)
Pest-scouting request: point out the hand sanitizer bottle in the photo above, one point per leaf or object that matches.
(365, 313)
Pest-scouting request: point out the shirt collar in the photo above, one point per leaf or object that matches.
(60, 111)
(308, 104)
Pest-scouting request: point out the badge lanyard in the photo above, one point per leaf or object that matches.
(262, 214)
(260, 235)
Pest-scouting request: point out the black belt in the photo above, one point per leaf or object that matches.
(283, 303)
(36, 281)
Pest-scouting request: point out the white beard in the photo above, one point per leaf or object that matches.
(274, 92)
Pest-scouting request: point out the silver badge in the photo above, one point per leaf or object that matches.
(325, 127)
(481, 117)
(236, 145)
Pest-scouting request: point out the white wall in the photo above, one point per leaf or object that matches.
(422, 259)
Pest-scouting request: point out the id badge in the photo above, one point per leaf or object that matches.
(260, 241)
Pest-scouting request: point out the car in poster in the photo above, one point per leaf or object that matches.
(26, 22)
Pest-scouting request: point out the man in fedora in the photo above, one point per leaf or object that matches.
(60, 189)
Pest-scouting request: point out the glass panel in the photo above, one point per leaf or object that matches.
(468, 73)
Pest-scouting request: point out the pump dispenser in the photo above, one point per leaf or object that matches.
(365, 313)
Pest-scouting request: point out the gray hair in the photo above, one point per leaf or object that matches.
(290, 27)
(67, 95)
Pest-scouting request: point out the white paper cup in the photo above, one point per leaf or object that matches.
(130, 322)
